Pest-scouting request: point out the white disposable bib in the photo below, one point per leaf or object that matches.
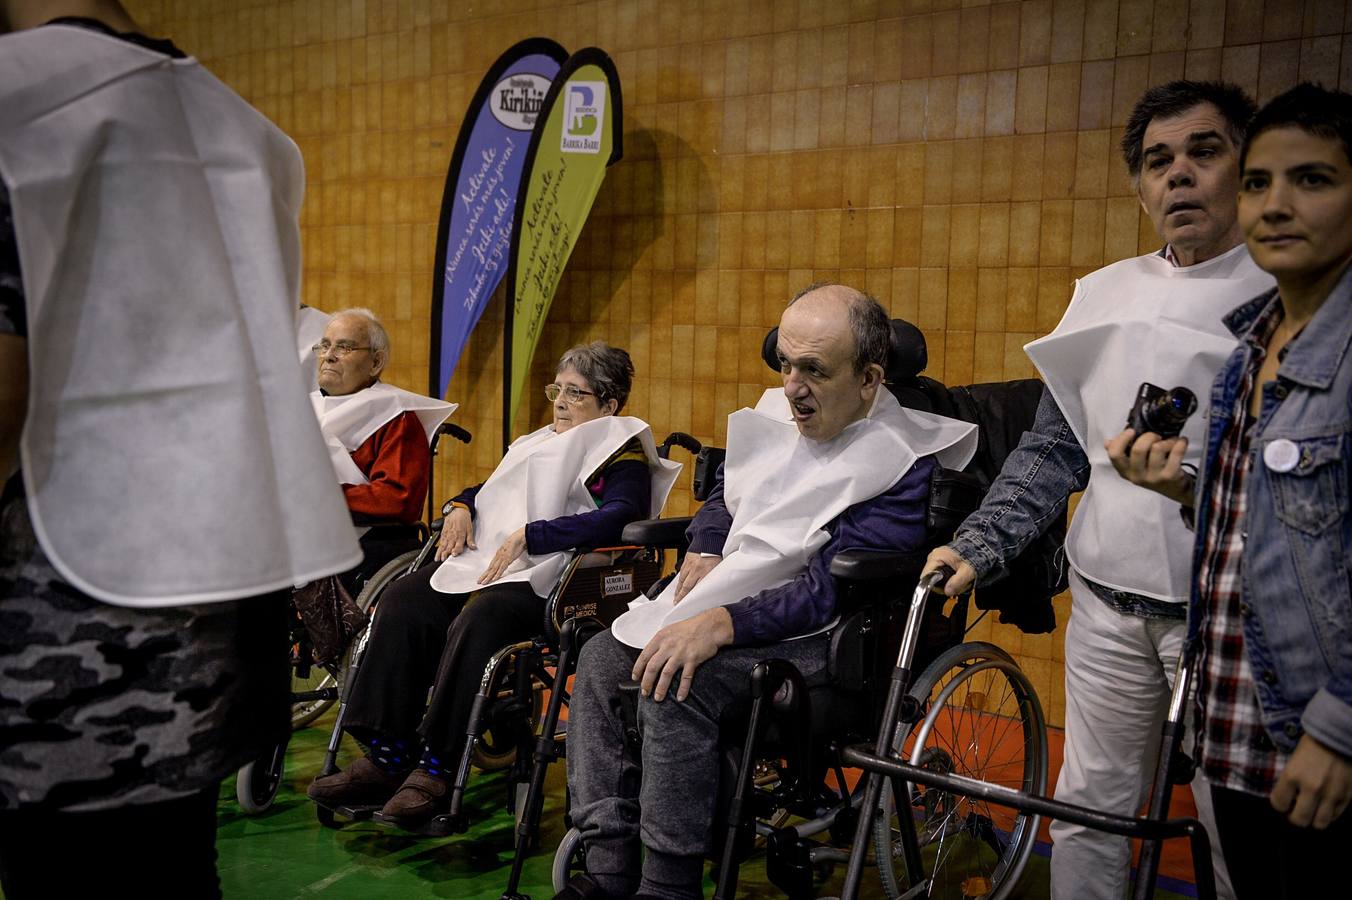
(1139, 320)
(784, 489)
(348, 420)
(168, 455)
(310, 325)
(544, 476)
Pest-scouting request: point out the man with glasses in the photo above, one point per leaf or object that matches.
(378, 437)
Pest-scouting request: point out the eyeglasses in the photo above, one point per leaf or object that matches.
(342, 348)
(570, 393)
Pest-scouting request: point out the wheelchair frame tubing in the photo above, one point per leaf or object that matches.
(573, 634)
(1167, 767)
(1126, 826)
(766, 679)
(897, 698)
(873, 790)
(475, 729)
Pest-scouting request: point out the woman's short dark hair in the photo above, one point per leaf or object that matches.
(608, 370)
(1313, 109)
(1164, 101)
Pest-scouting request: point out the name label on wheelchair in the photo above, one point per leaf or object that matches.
(618, 583)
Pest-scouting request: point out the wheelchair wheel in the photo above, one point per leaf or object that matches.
(257, 782)
(983, 721)
(320, 678)
(569, 859)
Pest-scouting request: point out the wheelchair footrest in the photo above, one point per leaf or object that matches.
(443, 825)
(353, 813)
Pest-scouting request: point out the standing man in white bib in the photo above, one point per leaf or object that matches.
(169, 486)
(1155, 318)
(830, 462)
(378, 438)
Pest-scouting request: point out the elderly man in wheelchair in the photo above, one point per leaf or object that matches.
(378, 438)
(503, 546)
(803, 482)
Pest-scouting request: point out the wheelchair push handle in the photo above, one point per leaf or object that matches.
(680, 439)
(936, 579)
(454, 431)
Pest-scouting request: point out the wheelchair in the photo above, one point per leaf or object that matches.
(971, 712)
(315, 687)
(508, 719)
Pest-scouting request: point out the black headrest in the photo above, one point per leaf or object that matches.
(907, 358)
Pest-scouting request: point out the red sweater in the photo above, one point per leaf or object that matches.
(398, 463)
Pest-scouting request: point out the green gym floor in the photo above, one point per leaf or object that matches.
(286, 853)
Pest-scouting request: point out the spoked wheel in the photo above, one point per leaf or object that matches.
(569, 860)
(306, 711)
(257, 782)
(983, 721)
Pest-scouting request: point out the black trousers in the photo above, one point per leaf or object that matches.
(423, 640)
(165, 849)
(378, 546)
(1271, 859)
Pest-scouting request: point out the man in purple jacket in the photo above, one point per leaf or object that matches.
(833, 344)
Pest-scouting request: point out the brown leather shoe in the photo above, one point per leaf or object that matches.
(361, 784)
(421, 797)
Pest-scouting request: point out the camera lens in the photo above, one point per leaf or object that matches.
(1167, 413)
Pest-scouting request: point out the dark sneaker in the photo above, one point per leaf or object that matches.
(361, 784)
(421, 796)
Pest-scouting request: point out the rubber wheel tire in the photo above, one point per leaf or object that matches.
(569, 859)
(978, 684)
(257, 782)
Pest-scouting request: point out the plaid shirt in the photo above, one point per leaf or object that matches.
(1235, 750)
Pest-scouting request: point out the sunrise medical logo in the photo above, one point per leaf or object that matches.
(584, 112)
(516, 100)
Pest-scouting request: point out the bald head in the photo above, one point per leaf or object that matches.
(833, 343)
(868, 321)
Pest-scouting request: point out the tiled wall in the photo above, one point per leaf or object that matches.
(954, 157)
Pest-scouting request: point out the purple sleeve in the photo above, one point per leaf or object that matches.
(467, 497)
(894, 520)
(626, 497)
(709, 530)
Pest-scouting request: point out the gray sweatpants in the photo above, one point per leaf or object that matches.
(667, 803)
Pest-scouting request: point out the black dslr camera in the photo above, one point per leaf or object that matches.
(1161, 411)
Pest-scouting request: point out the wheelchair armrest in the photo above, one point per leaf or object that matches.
(657, 532)
(871, 565)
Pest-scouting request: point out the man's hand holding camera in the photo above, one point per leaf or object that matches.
(1152, 462)
(1149, 453)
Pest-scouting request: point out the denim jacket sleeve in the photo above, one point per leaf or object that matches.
(1031, 491)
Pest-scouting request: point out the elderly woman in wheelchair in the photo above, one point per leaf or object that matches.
(573, 484)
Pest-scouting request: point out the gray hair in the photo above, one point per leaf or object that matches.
(376, 335)
(608, 370)
(869, 323)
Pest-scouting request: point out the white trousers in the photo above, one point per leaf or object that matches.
(1119, 673)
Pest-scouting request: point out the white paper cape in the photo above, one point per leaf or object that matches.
(169, 456)
(1139, 320)
(784, 489)
(544, 476)
(348, 420)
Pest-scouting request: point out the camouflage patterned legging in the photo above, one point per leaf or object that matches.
(105, 706)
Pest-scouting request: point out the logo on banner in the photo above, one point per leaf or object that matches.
(516, 100)
(584, 109)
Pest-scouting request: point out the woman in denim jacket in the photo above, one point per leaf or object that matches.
(1271, 608)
